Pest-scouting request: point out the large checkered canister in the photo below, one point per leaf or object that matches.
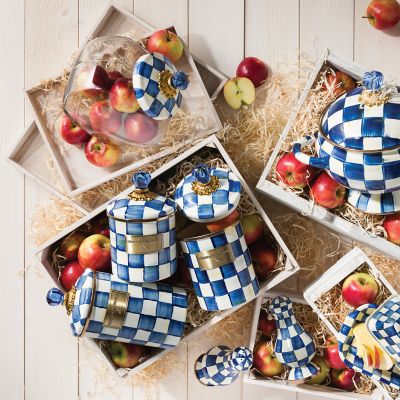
(221, 268)
(208, 194)
(102, 306)
(142, 234)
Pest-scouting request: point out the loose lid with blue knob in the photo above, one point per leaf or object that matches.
(366, 118)
(157, 85)
(142, 234)
(208, 194)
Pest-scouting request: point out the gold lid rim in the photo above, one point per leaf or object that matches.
(141, 220)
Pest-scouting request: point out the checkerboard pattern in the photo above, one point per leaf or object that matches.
(221, 366)
(230, 285)
(150, 267)
(348, 352)
(384, 324)
(145, 84)
(293, 347)
(353, 126)
(206, 208)
(155, 317)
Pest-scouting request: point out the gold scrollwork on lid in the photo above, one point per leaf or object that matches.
(215, 258)
(142, 195)
(70, 299)
(117, 308)
(207, 188)
(373, 98)
(164, 84)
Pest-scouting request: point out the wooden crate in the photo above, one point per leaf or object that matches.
(76, 173)
(44, 253)
(302, 388)
(304, 206)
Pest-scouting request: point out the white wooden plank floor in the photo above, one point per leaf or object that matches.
(39, 358)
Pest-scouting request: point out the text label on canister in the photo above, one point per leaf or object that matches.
(143, 244)
(215, 258)
(116, 309)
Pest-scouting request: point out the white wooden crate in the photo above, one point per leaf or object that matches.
(118, 21)
(349, 263)
(290, 266)
(304, 206)
(306, 390)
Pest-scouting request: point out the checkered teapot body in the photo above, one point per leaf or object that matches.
(358, 143)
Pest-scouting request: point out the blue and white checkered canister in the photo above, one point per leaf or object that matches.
(293, 347)
(384, 325)
(208, 194)
(102, 306)
(348, 351)
(142, 234)
(221, 269)
(157, 85)
(359, 146)
(220, 366)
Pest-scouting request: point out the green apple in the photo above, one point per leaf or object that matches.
(323, 373)
(238, 91)
(126, 355)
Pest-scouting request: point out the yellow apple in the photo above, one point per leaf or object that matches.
(238, 91)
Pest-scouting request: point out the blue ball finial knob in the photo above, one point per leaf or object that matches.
(202, 173)
(373, 80)
(179, 80)
(55, 297)
(141, 179)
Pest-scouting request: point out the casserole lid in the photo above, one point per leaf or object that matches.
(366, 118)
(141, 204)
(208, 194)
(157, 85)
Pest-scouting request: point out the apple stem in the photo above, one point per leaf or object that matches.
(365, 16)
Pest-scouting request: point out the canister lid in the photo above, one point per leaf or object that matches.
(78, 301)
(384, 325)
(208, 194)
(141, 204)
(366, 118)
(157, 85)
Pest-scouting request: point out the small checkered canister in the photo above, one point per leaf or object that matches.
(142, 234)
(221, 268)
(102, 306)
(208, 194)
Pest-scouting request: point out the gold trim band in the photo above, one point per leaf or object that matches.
(141, 220)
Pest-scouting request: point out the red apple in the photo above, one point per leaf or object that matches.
(294, 173)
(239, 91)
(266, 323)
(253, 227)
(223, 223)
(69, 246)
(126, 355)
(101, 153)
(114, 75)
(84, 83)
(264, 360)
(359, 288)
(70, 274)
(392, 227)
(95, 253)
(264, 259)
(254, 69)
(122, 96)
(331, 354)
(326, 192)
(166, 43)
(344, 378)
(340, 82)
(383, 14)
(100, 224)
(323, 373)
(71, 133)
(103, 118)
(139, 128)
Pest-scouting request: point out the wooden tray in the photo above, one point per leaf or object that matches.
(76, 173)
